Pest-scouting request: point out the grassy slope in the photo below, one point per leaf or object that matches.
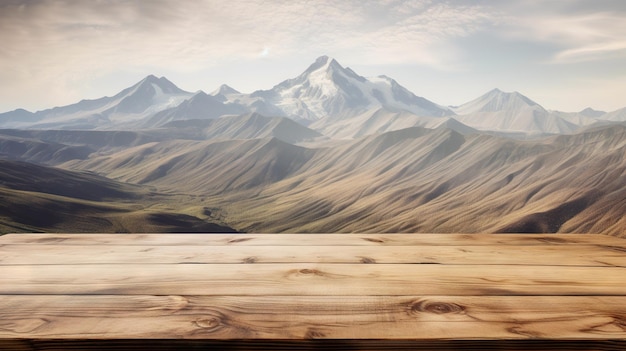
(38, 198)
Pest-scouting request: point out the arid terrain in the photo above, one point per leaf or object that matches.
(328, 151)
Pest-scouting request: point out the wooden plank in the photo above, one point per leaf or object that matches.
(573, 255)
(313, 239)
(323, 317)
(311, 345)
(311, 279)
(108, 291)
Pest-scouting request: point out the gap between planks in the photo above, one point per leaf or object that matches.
(315, 239)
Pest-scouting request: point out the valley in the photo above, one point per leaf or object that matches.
(327, 151)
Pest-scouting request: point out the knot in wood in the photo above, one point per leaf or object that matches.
(367, 260)
(374, 240)
(314, 334)
(251, 259)
(519, 330)
(238, 240)
(208, 324)
(310, 271)
(436, 307)
(620, 322)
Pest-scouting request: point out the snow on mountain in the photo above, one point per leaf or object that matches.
(496, 101)
(393, 96)
(327, 97)
(147, 97)
(247, 102)
(328, 90)
(511, 112)
(199, 106)
(223, 92)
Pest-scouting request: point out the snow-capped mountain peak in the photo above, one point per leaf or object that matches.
(225, 90)
(322, 62)
(328, 90)
(326, 75)
(151, 87)
(161, 84)
(511, 112)
(394, 96)
(325, 96)
(497, 100)
(150, 95)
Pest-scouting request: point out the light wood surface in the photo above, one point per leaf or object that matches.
(281, 291)
(302, 317)
(311, 279)
(546, 255)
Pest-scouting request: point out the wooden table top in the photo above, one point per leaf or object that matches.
(312, 291)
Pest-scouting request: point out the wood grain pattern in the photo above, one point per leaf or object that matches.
(311, 279)
(315, 317)
(312, 292)
(548, 255)
(313, 239)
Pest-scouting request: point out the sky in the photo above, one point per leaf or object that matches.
(564, 54)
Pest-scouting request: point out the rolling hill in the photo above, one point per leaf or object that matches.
(409, 180)
(326, 151)
(37, 198)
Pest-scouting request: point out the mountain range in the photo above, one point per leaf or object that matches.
(326, 151)
(330, 99)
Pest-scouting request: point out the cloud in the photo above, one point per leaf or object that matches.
(97, 34)
(67, 44)
(592, 52)
(424, 34)
(577, 31)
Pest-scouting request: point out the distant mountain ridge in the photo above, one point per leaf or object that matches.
(326, 151)
(247, 126)
(148, 96)
(511, 112)
(329, 98)
(328, 90)
(497, 100)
